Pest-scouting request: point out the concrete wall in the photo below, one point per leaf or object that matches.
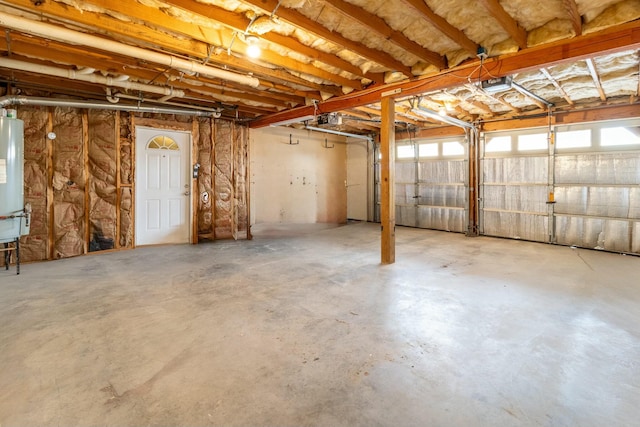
(303, 183)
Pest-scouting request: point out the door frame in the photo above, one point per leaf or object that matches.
(187, 128)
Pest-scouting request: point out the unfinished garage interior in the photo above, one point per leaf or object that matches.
(320, 212)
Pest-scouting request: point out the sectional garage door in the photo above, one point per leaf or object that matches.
(432, 184)
(581, 189)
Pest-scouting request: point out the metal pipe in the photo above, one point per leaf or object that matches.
(89, 78)
(527, 92)
(215, 112)
(55, 102)
(337, 132)
(54, 32)
(445, 119)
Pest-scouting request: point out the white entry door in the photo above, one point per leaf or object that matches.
(162, 186)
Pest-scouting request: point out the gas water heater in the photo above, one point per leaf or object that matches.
(14, 215)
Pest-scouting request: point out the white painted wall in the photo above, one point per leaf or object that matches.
(302, 183)
(357, 188)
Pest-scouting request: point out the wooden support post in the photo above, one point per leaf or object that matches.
(118, 182)
(387, 181)
(50, 204)
(195, 190)
(87, 180)
(473, 143)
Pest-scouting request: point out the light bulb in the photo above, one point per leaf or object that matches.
(254, 51)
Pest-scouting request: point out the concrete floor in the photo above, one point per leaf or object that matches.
(305, 328)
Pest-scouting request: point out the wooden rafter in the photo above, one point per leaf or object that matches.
(509, 24)
(596, 78)
(574, 15)
(378, 25)
(618, 39)
(299, 20)
(443, 26)
(239, 22)
(563, 92)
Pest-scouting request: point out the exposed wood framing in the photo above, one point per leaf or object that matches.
(50, 212)
(87, 180)
(387, 182)
(195, 137)
(596, 78)
(108, 26)
(623, 37)
(118, 181)
(299, 20)
(574, 15)
(564, 93)
(443, 26)
(505, 20)
(240, 23)
(379, 26)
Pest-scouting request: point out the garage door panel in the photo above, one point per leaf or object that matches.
(597, 233)
(520, 198)
(441, 171)
(611, 202)
(598, 168)
(405, 194)
(516, 225)
(442, 218)
(406, 215)
(442, 195)
(405, 172)
(516, 169)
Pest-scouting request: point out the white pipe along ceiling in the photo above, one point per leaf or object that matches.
(53, 32)
(90, 78)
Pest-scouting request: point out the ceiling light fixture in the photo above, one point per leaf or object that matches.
(253, 48)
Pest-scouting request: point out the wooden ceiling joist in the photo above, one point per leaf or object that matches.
(574, 15)
(505, 20)
(596, 78)
(30, 47)
(562, 92)
(240, 23)
(618, 39)
(378, 25)
(443, 26)
(110, 26)
(299, 20)
(157, 18)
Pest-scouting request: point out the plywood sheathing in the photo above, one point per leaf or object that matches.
(102, 179)
(34, 246)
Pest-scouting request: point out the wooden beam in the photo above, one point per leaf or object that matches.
(378, 25)
(387, 181)
(443, 26)
(563, 92)
(574, 15)
(299, 20)
(617, 39)
(596, 78)
(505, 20)
(239, 22)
